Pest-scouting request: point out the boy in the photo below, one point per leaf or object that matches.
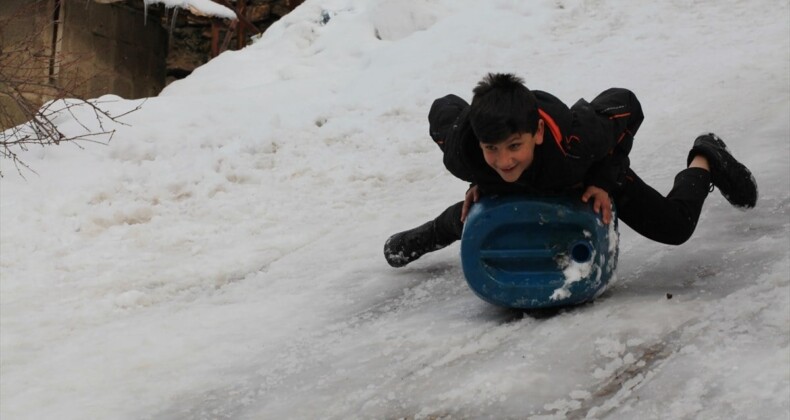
(513, 140)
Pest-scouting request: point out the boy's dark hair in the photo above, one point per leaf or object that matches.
(501, 107)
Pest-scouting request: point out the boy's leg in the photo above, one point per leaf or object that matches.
(732, 178)
(405, 247)
(671, 219)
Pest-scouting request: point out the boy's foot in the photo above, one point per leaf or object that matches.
(732, 178)
(405, 247)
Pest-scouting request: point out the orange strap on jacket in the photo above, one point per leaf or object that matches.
(553, 127)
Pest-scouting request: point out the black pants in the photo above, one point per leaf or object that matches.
(669, 220)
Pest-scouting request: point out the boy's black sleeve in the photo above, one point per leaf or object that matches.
(449, 128)
(443, 115)
(608, 125)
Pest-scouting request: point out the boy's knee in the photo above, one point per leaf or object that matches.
(682, 234)
(448, 224)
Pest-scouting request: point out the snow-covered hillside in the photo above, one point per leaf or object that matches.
(222, 256)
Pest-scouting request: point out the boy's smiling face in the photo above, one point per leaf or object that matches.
(512, 156)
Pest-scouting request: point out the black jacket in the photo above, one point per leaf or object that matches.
(587, 144)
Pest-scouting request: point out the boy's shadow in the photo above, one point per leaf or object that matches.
(504, 315)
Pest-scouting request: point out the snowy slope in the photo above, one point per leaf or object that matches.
(221, 257)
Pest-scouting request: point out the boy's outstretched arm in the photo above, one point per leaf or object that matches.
(602, 203)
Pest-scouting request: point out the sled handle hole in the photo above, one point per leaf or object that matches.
(581, 252)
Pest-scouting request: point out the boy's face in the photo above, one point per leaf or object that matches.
(512, 156)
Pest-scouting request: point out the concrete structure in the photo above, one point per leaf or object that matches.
(123, 54)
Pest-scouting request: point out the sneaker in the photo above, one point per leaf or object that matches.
(732, 178)
(405, 247)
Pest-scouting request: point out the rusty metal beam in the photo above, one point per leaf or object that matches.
(228, 35)
(242, 19)
(214, 37)
(241, 12)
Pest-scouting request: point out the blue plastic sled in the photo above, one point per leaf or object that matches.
(532, 253)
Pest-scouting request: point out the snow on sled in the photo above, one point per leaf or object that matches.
(533, 253)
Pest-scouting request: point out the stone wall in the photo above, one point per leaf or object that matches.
(25, 50)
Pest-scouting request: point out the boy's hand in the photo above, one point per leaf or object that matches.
(472, 195)
(602, 204)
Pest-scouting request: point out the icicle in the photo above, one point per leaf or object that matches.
(173, 22)
(145, 12)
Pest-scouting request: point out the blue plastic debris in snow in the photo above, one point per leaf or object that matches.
(529, 253)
